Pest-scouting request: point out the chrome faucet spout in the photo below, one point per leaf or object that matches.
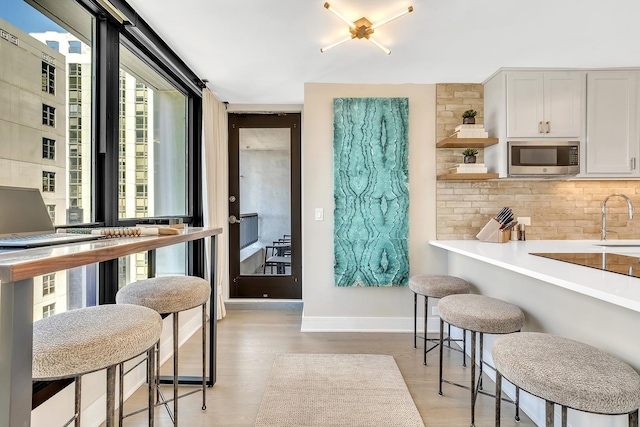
(603, 231)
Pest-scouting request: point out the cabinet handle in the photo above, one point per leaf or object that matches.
(540, 127)
(548, 127)
(633, 163)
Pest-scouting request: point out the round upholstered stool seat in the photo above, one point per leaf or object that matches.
(167, 294)
(478, 314)
(481, 313)
(78, 342)
(172, 295)
(438, 286)
(434, 286)
(85, 340)
(567, 372)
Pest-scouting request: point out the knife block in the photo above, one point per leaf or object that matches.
(491, 233)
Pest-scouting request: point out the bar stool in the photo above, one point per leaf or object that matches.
(435, 286)
(171, 295)
(78, 342)
(568, 373)
(481, 315)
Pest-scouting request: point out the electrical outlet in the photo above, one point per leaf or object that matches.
(524, 220)
(434, 311)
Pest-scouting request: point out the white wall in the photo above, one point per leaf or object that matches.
(327, 307)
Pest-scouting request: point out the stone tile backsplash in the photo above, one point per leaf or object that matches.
(558, 209)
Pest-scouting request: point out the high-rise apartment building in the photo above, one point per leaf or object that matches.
(33, 148)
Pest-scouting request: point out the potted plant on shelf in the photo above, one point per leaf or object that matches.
(470, 155)
(469, 117)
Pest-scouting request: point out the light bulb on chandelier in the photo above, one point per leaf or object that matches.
(362, 28)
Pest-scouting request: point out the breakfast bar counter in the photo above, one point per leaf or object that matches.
(585, 304)
(17, 269)
(619, 289)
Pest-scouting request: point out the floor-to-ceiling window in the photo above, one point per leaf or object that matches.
(104, 149)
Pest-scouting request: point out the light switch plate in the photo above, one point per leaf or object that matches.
(319, 214)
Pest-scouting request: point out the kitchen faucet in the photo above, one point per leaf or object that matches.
(604, 212)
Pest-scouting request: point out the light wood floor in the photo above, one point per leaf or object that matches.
(249, 340)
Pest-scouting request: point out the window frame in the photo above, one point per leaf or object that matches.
(142, 40)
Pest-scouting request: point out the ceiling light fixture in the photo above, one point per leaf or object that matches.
(362, 28)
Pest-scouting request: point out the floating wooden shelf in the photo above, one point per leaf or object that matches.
(467, 176)
(466, 142)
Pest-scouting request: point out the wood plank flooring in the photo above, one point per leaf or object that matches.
(248, 341)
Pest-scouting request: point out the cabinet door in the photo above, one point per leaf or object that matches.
(562, 104)
(525, 104)
(612, 140)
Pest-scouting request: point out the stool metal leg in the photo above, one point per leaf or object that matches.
(175, 369)
(464, 348)
(481, 360)
(498, 396)
(473, 378)
(111, 395)
(517, 402)
(120, 394)
(441, 356)
(426, 311)
(204, 356)
(549, 413)
(78, 401)
(564, 416)
(633, 419)
(151, 379)
(415, 320)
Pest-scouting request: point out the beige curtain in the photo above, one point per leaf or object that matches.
(214, 158)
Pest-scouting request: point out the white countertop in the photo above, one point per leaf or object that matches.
(614, 288)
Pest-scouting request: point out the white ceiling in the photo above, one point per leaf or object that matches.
(262, 52)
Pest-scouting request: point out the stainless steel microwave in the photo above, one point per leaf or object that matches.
(543, 158)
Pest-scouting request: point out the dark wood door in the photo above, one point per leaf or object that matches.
(265, 206)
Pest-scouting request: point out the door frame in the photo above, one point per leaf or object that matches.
(257, 286)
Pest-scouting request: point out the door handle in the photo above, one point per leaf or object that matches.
(234, 220)
(548, 127)
(540, 127)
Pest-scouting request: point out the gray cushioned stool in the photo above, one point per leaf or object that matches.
(78, 342)
(171, 295)
(570, 373)
(481, 315)
(434, 286)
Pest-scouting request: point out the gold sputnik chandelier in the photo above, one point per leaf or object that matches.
(362, 28)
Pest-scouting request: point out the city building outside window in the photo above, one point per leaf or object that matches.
(52, 212)
(55, 45)
(75, 46)
(48, 284)
(49, 310)
(48, 148)
(48, 181)
(48, 77)
(48, 115)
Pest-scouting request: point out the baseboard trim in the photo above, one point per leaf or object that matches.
(261, 304)
(367, 324)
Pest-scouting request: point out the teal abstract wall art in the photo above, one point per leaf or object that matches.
(371, 178)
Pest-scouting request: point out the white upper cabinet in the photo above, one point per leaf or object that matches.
(544, 104)
(612, 141)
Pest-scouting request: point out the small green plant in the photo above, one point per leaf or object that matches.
(470, 152)
(469, 113)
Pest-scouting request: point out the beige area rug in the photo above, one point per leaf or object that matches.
(346, 390)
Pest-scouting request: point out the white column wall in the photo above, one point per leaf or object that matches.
(327, 307)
